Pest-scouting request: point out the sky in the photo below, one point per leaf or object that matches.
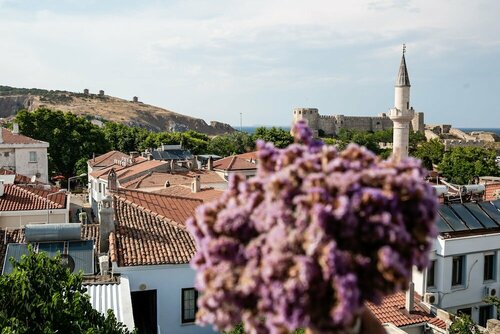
(217, 59)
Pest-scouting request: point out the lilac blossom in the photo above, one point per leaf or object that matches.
(311, 238)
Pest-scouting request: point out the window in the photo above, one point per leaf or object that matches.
(457, 271)
(32, 156)
(6, 154)
(465, 311)
(431, 273)
(485, 313)
(100, 188)
(489, 266)
(189, 308)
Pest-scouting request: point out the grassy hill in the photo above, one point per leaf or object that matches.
(104, 107)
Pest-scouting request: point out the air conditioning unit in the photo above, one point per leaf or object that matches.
(431, 298)
(490, 291)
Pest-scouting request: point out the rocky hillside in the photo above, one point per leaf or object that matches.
(95, 106)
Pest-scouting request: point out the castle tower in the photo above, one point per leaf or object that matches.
(401, 115)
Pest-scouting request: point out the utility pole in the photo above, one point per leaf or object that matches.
(241, 122)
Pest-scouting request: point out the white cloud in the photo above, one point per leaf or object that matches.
(215, 48)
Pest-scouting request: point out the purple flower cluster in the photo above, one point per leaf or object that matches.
(311, 238)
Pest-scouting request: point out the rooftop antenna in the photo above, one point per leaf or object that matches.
(241, 122)
(404, 48)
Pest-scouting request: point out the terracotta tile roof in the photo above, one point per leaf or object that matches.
(138, 168)
(174, 208)
(106, 159)
(12, 138)
(438, 323)
(248, 155)
(20, 198)
(233, 163)
(18, 177)
(392, 310)
(143, 238)
(104, 171)
(158, 179)
(89, 232)
(205, 194)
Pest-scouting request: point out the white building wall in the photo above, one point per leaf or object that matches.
(7, 158)
(167, 280)
(17, 219)
(25, 167)
(472, 292)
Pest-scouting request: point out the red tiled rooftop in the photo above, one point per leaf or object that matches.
(392, 310)
(248, 155)
(107, 159)
(104, 172)
(137, 168)
(205, 194)
(174, 208)
(20, 198)
(18, 177)
(143, 238)
(158, 179)
(233, 163)
(8, 137)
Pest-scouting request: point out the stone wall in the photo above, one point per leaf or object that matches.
(331, 124)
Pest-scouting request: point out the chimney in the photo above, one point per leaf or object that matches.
(15, 128)
(210, 164)
(172, 165)
(196, 185)
(1, 135)
(106, 223)
(2, 189)
(410, 293)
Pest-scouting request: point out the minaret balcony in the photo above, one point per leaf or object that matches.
(399, 115)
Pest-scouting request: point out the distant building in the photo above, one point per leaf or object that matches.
(242, 164)
(23, 155)
(331, 124)
(21, 205)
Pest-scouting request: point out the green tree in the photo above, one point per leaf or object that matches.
(463, 324)
(279, 137)
(431, 153)
(460, 164)
(124, 138)
(232, 143)
(414, 141)
(42, 296)
(70, 137)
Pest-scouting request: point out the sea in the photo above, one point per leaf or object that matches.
(251, 129)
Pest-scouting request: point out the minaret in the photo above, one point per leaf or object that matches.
(401, 115)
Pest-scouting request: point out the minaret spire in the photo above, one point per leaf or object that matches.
(402, 114)
(403, 78)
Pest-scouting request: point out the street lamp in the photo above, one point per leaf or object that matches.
(61, 191)
(74, 177)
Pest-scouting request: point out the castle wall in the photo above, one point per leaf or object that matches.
(331, 124)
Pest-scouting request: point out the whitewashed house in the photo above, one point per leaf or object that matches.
(23, 155)
(465, 260)
(150, 246)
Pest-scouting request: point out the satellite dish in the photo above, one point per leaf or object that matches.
(68, 262)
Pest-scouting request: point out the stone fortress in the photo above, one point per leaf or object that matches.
(328, 125)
